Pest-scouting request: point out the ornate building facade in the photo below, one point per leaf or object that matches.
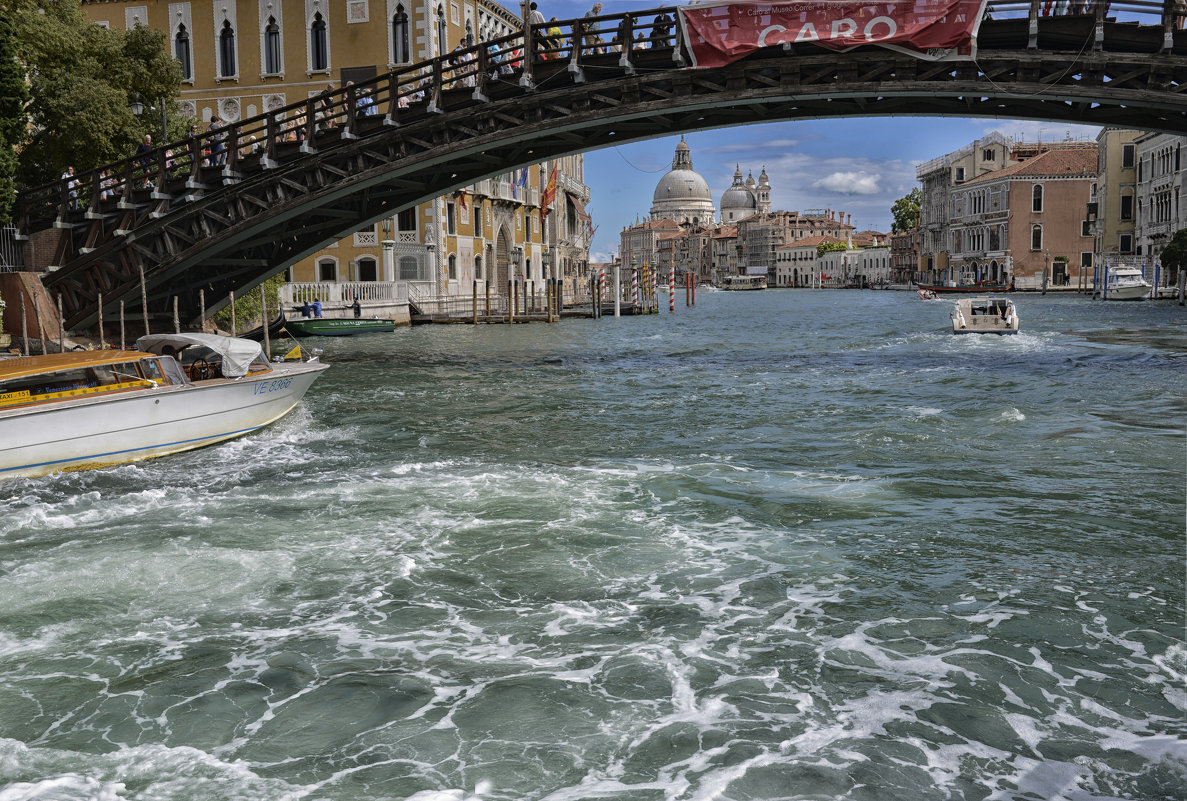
(240, 58)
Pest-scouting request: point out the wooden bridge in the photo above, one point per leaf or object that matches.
(221, 213)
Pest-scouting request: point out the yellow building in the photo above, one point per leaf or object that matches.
(240, 58)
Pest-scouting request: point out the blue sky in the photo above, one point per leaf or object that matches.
(859, 166)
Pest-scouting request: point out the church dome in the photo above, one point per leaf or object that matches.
(738, 196)
(682, 194)
(682, 185)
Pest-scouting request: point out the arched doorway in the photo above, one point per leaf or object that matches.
(502, 260)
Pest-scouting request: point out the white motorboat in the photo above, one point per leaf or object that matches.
(1126, 283)
(984, 316)
(87, 409)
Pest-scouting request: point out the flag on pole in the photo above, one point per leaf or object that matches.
(462, 200)
(523, 177)
(549, 192)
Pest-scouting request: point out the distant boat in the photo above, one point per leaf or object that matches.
(337, 326)
(927, 294)
(735, 283)
(1126, 283)
(985, 315)
(980, 287)
(85, 409)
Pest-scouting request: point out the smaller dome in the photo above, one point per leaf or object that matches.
(738, 197)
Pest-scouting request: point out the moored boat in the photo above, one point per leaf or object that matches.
(337, 326)
(1126, 283)
(978, 288)
(985, 315)
(87, 409)
(274, 329)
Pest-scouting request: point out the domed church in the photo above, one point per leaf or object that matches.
(683, 195)
(744, 200)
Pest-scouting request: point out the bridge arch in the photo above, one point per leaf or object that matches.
(227, 227)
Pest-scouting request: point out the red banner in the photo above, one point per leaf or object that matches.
(720, 33)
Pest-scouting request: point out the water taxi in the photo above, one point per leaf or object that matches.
(85, 409)
(984, 316)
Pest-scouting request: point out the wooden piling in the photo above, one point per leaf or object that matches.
(40, 325)
(24, 326)
(231, 297)
(202, 310)
(102, 337)
(123, 341)
(61, 328)
(144, 299)
(475, 296)
(176, 321)
(264, 324)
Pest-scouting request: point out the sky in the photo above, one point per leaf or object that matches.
(858, 166)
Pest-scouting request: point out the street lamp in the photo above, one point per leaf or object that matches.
(389, 250)
(137, 107)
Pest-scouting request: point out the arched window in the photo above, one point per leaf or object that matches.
(272, 62)
(442, 42)
(319, 50)
(1036, 237)
(452, 273)
(327, 270)
(469, 34)
(1036, 198)
(401, 52)
(367, 269)
(181, 49)
(226, 51)
(478, 268)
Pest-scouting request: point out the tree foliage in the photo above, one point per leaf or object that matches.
(1174, 255)
(247, 306)
(828, 247)
(14, 94)
(82, 79)
(906, 211)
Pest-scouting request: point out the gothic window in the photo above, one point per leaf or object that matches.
(478, 220)
(1036, 198)
(401, 52)
(450, 219)
(319, 50)
(1036, 237)
(442, 41)
(272, 63)
(226, 51)
(181, 50)
(452, 268)
(478, 268)
(469, 34)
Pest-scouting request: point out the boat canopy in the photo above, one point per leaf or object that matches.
(237, 354)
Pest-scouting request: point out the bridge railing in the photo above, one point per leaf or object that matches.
(536, 57)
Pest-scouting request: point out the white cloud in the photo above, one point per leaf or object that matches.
(849, 183)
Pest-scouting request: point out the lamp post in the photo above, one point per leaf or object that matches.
(389, 250)
(137, 106)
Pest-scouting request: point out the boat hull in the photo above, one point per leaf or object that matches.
(1138, 292)
(337, 326)
(145, 423)
(973, 289)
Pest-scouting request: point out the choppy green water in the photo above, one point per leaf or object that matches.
(783, 545)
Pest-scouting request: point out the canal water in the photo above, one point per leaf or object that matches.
(780, 545)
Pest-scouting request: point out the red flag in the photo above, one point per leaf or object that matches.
(550, 191)
(462, 200)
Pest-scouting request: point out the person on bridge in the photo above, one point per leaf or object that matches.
(144, 157)
(593, 39)
(218, 146)
(661, 31)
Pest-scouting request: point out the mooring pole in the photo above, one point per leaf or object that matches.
(102, 340)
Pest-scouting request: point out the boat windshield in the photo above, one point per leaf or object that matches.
(212, 355)
(74, 382)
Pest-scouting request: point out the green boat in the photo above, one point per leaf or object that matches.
(337, 326)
